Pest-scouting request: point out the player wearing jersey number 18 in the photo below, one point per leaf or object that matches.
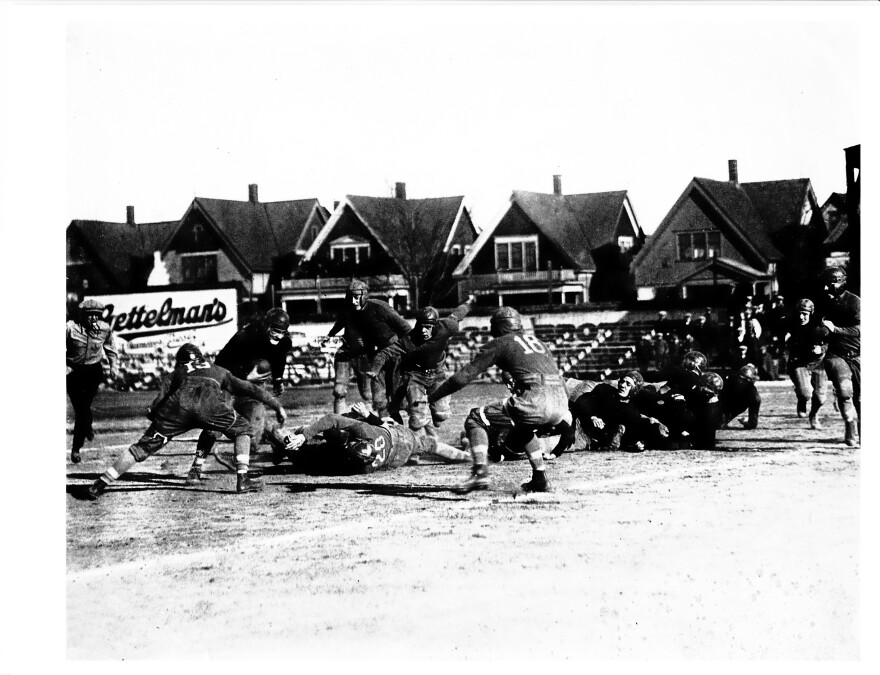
(538, 399)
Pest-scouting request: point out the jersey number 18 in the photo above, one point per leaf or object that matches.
(530, 344)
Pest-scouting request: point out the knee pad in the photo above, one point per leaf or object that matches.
(417, 419)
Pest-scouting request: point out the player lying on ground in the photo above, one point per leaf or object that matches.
(194, 396)
(368, 443)
(538, 400)
(740, 395)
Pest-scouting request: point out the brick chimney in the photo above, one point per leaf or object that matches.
(400, 190)
(252, 193)
(129, 215)
(732, 170)
(557, 185)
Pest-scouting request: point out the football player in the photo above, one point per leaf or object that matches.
(841, 315)
(422, 357)
(608, 415)
(369, 326)
(193, 396)
(538, 398)
(739, 394)
(268, 341)
(369, 443)
(89, 342)
(704, 403)
(806, 344)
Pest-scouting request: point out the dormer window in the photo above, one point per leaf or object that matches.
(516, 254)
(625, 243)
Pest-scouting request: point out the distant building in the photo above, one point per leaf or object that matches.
(405, 248)
(555, 249)
(110, 257)
(722, 234)
(252, 243)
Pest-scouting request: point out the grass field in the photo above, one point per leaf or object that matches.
(750, 551)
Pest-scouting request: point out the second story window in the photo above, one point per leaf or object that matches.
(625, 243)
(516, 254)
(698, 245)
(198, 268)
(349, 250)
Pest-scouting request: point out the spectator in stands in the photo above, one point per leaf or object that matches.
(663, 326)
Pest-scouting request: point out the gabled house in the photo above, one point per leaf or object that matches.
(105, 257)
(720, 235)
(837, 244)
(404, 248)
(251, 243)
(555, 249)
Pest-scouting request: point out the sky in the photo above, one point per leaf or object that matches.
(310, 101)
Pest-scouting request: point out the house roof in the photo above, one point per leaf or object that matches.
(258, 232)
(729, 268)
(435, 220)
(116, 244)
(575, 224)
(748, 213)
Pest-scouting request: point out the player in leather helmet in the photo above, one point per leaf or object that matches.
(194, 396)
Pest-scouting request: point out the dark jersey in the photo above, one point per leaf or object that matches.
(416, 353)
(250, 344)
(846, 314)
(370, 328)
(678, 380)
(803, 339)
(738, 396)
(604, 402)
(525, 358)
(198, 386)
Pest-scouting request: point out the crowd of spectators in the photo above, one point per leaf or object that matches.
(753, 332)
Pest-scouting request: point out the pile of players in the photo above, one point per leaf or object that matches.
(401, 367)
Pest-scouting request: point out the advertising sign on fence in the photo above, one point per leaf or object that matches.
(168, 319)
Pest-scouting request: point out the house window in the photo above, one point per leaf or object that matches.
(698, 245)
(625, 243)
(516, 253)
(198, 267)
(350, 253)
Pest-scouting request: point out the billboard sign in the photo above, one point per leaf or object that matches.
(168, 319)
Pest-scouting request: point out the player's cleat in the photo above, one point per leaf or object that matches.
(539, 483)
(478, 480)
(851, 437)
(245, 483)
(75, 457)
(96, 489)
(90, 434)
(815, 422)
(195, 476)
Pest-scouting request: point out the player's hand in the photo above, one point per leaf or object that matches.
(69, 370)
(360, 408)
(639, 446)
(280, 415)
(817, 349)
(372, 374)
(471, 299)
(294, 442)
(598, 422)
(829, 325)
(663, 429)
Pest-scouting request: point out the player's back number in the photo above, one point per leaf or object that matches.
(530, 344)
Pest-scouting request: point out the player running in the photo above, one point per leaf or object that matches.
(422, 356)
(806, 345)
(193, 396)
(538, 399)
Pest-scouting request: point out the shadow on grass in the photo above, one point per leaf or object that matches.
(146, 482)
(432, 492)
